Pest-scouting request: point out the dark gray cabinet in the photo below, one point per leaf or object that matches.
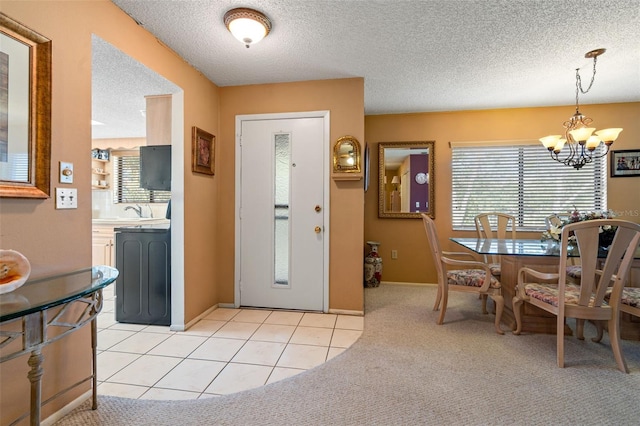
(143, 288)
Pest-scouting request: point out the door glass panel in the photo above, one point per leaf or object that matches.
(281, 208)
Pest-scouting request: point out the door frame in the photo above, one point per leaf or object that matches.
(325, 115)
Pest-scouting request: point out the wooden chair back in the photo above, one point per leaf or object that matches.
(495, 225)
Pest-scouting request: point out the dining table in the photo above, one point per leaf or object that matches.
(543, 256)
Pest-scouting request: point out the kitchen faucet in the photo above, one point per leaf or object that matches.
(138, 210)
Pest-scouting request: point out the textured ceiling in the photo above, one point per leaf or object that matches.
(416, 55)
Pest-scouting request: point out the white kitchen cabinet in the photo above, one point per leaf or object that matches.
(103, 248)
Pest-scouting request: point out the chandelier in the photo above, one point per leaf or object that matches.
(580, 141)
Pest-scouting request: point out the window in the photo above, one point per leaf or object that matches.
(126, 181)
(520, 178)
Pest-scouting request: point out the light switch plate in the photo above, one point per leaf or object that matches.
(66, 172)
(66, 198)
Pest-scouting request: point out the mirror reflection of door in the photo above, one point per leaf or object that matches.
(406, 179)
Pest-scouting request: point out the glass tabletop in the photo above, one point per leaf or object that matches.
(44, 293)
(518, 247)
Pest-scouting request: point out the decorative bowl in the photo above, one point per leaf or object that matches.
(14, 270)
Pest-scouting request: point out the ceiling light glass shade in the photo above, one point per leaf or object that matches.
(559, 145)
(593, 142)
(582, 134)
(550, 142)
(247, 25)
(609, 135)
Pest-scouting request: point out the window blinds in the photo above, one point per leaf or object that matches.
(520, 178)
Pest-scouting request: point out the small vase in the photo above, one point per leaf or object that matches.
(372, 266)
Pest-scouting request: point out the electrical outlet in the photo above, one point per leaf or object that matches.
(394, 254)
(66, 198)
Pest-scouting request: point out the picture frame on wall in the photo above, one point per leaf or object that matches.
(203, 152)
(625, 163)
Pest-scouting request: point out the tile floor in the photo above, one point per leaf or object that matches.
(228, 351)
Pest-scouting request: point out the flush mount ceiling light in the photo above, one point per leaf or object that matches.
(580, 140)
(247, 25)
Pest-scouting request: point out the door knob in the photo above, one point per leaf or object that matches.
(318, 208)
(318, 229)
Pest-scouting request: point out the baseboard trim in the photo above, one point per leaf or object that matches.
(403, 283)
(53, 418)
(346, 312)
(195, 320)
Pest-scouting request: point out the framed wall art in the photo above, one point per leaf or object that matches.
(625, 163)
(25, 111)
(203, 152)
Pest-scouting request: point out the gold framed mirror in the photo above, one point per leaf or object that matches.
(25, 99)
(346, 155)
(406, 179)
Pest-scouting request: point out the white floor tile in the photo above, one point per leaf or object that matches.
(106, 320)
(262, 353)
(178, 345)
(118, 389)
(127, 327)
(217, 349)
(239, 377)
(334, 352)
(169, 394)
(108, 338)
(140, 343)
(205, 327)
(110, 362)
(222, 314)
(228, 351)
(191, 375)
(251, 315)
(237, 330)
(284, 318)
(345, 338)
(274, 333)
(160, 329)
(302, 356)
(280, 373)
(350, 322)
(318, 320)
(312, 336)
(145, 371)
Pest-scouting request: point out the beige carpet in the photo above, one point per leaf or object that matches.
(406, 370)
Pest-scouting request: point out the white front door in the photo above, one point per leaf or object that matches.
(281, 261)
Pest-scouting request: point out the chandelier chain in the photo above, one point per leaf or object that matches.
(579, 80)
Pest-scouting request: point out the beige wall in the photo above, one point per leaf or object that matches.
(414, 262)
(345, 101)
(60, 240)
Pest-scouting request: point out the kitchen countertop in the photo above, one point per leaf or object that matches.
(129, 221)
(146, 227)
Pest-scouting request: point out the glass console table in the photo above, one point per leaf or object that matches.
(542, 256)
(78, 298)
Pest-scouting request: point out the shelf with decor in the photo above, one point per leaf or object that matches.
(100, 168)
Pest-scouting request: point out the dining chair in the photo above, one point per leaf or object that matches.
(469, 276)
(629, 304)
(494, 225)
(554, 294)
(574, 271)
